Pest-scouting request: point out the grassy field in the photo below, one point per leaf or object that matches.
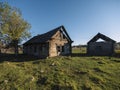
(60, 73)
(79, 50)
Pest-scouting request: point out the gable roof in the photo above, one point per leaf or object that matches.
(47, 36)
(99, 35)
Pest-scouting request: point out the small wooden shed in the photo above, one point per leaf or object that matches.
(101, 48)
(53, 43)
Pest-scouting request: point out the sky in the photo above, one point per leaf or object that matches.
(83, 19)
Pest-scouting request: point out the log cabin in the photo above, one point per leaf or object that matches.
(53, 43)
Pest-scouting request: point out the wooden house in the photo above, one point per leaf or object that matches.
(53, 43)
(105, 47)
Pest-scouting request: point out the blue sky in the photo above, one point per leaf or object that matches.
(82, 19)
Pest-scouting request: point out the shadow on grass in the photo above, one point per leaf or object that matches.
(23, 57)
(19, 58)
(117, 55)
(79, 55)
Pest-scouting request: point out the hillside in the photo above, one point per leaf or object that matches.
(61, 73)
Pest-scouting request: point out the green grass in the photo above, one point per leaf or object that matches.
(61, 73)
(81, 50)
(117, 51)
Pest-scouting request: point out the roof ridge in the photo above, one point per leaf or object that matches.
(45, 36)
(102, 36)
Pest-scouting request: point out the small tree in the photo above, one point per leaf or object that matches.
(13, 25)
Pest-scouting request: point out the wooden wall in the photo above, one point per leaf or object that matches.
(100, 48)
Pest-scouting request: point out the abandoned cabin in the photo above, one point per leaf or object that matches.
(100, 48)
(53, 43)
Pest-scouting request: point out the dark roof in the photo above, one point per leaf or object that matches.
(47, 36)
(99, 35)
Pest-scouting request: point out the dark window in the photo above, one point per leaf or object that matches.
(43, 49)
(62, 48)
(58, 48)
